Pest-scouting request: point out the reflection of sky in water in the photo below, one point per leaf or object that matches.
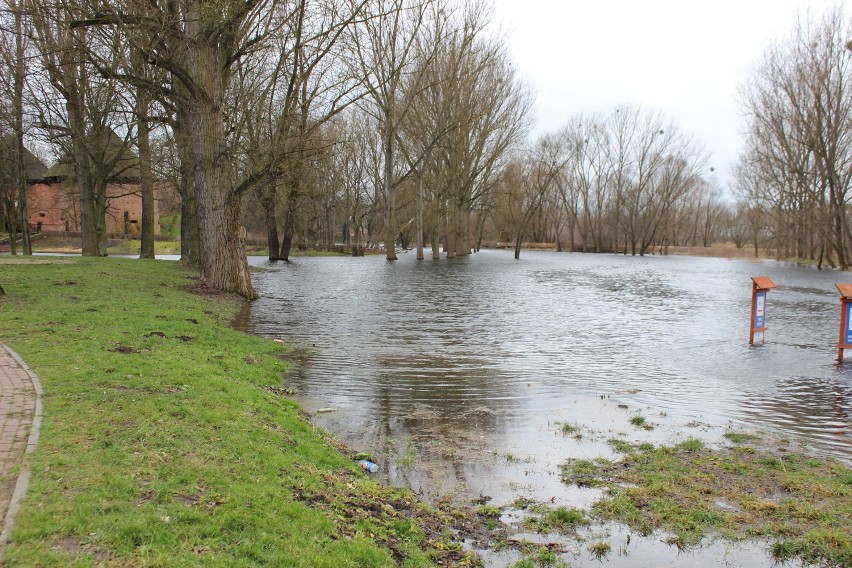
(491, 352)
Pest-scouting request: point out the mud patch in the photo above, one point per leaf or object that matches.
(386, 508)
(124, 349)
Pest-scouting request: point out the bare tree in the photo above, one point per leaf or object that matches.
(468, 110)
(303, 89)
(587, 178)
(141, 111)
(199, 48)
(384, 50)
(87, 113)
(14, 65)
(799, 106)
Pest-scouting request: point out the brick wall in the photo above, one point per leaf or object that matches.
(56, 207)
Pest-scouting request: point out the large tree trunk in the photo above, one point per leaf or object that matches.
(390, 192)
(188, 226)
(268, 201)
(18, 109)
(419, 217)
(436, 229)
(450, 244)
(146, 249)
(289, 225)
(462, 230)
(11, 218)
(100, 216)
(82, 169)
(222, 258)
(189, 246)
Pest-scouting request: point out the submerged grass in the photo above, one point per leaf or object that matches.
(166, 440)
(802, 504)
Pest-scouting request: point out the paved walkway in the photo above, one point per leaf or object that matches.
(20, 423)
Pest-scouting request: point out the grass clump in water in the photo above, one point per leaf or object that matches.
(166, 438)
(641, 422)
(540, 557)
(600, 549)
(585, 473)
(573, 430)
(741, 438)
(625, 447)
(801, 503)
(564, 520)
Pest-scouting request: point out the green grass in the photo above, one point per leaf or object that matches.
(741, 438)
(584, 473)
(170, 225)
(409, 458)
(132, 246)
(600, 549)
(641, 422)
(800, 503)
(571, 430)
(166, 441)
(564, 520)
(489, 511)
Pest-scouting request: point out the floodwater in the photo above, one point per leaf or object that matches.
(458, 375)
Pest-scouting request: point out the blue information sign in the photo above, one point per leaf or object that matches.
(760, 309)
(847, 333)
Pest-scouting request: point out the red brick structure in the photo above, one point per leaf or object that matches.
(54, 206)
(53, 199)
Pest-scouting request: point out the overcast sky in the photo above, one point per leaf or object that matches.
(685, 58)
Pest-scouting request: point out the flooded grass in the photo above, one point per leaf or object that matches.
(641, 422)
(585, 473)
(600, 549)
(741, 438)
(563, 520)
(802, 504)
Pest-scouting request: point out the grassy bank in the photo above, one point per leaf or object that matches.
(166, 441)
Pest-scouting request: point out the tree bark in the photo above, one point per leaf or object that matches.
(100, 186)
(82, 170)
(188, 228)
(419, 216)
(18, 109)
(462, 230)
(390, 190)
(222, 257)
(436, 229)
(146, 177)
(272, 241)
(450, 244)
(189, 245)
(289, 225)
(11, 218)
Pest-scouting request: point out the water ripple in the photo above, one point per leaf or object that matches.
(516, 337)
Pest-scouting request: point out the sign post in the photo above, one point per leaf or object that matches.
(845, 341)
(759, 286)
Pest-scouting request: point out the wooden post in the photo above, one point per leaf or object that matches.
(843, 341)
(843, 306)
(751, 317)
(757, 321)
